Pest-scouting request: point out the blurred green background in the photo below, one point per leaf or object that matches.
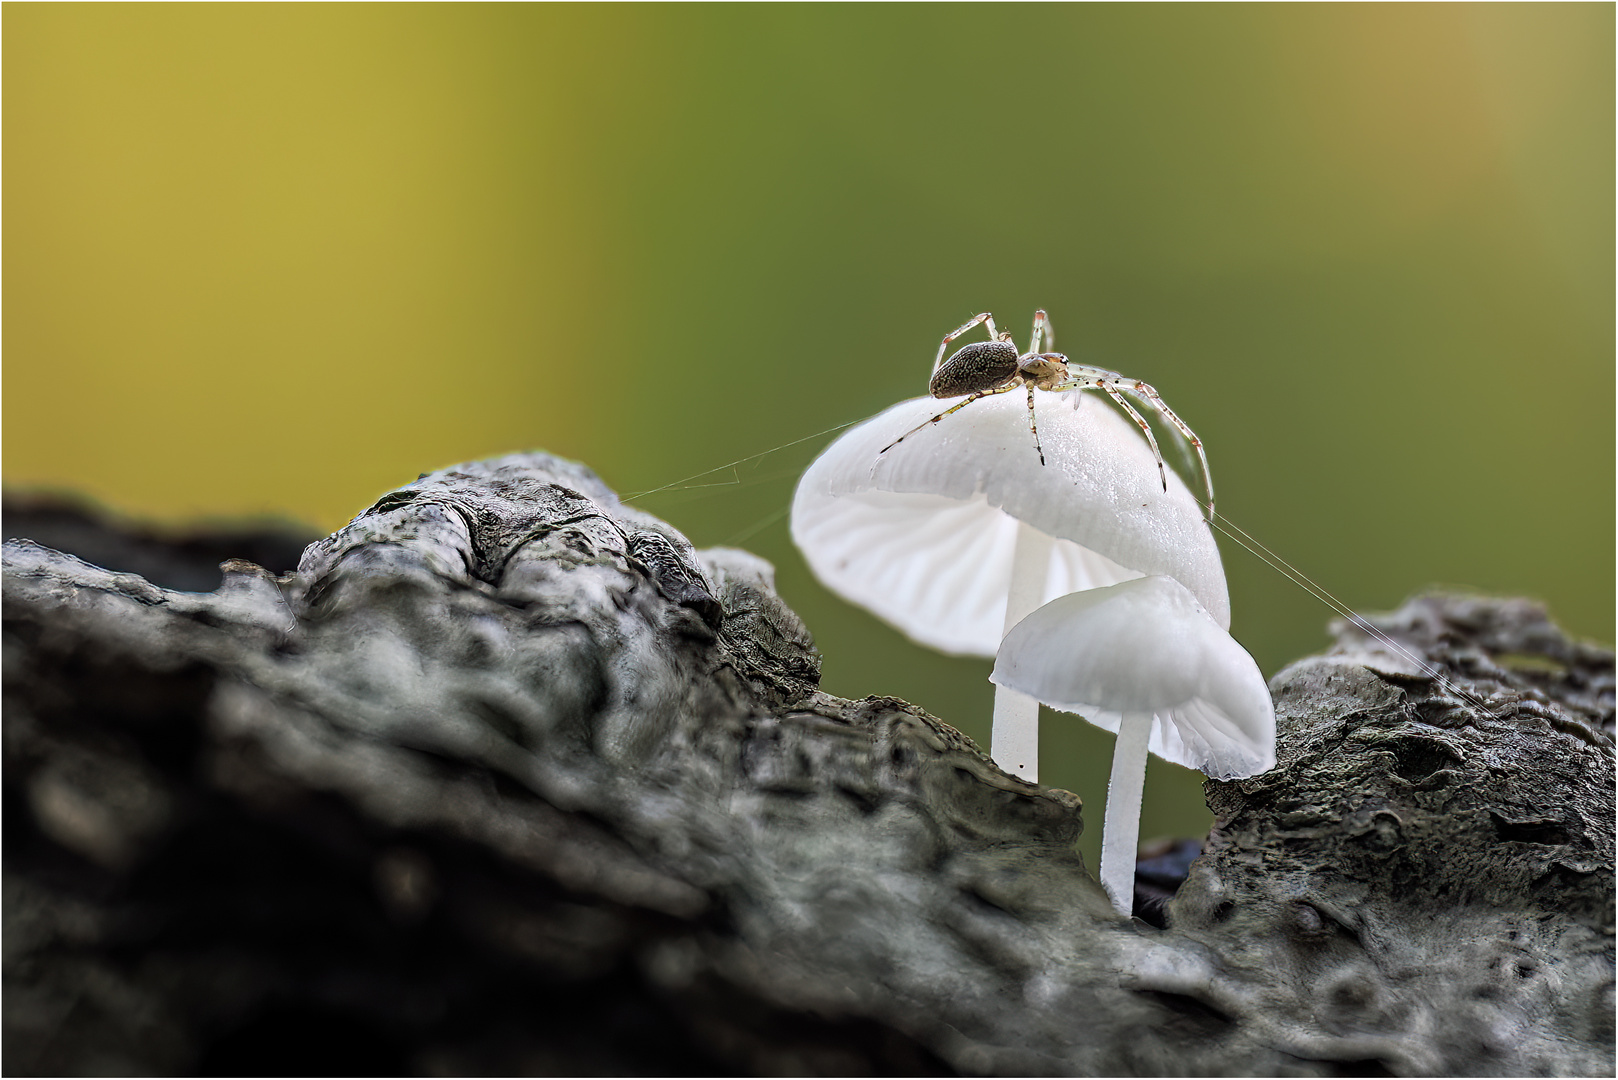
(276, 259)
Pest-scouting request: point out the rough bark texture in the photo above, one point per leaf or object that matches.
(507, 778)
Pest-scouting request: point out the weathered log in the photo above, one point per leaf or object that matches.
(506, 777)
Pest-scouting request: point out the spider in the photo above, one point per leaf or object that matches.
(993, 367)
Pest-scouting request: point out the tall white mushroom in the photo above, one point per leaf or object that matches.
(1145, 660)
(958, 533)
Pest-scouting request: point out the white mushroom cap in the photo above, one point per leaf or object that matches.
(1147, 646)
(923, 534)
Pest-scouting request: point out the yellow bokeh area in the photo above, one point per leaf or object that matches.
(267, 259)
(277, 259)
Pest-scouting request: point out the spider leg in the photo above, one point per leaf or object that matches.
(1162, 473)
(1096, 373)
(952, 409)
(1040, 450)
(1152, 398)
(1044, 338)
(1158, 403)
(958, 331)
(1090, 382)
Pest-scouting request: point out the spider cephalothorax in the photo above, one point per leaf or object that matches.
(995, 367)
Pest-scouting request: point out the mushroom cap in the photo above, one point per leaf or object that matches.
(923, 534)
(1147, 646)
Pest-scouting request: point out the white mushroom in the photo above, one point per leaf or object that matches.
(957, 533)
(1145, 660)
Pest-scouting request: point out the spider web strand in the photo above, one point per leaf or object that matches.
(686, 481)
(1298, 577)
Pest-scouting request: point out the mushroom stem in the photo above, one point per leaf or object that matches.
(1120, 833)
(1014, 738)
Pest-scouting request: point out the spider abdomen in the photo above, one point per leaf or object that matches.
(982, 365)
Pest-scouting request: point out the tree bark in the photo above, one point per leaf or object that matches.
(506, 777)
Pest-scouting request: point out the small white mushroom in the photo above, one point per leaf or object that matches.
(958, 532)
(1145, 660)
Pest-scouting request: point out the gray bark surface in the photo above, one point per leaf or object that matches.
(506, 777)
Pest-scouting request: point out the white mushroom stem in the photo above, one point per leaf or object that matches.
(1120, 832)
(1143, 659)
(1014, 737)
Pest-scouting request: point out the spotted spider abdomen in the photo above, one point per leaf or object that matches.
(982, 365)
